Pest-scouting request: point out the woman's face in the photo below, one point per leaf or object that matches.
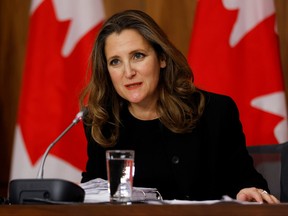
(133, 66)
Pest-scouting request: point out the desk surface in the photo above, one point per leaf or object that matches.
(144, 209)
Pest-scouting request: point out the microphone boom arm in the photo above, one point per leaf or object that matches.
(78, 117)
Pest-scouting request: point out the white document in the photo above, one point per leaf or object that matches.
(96, 190)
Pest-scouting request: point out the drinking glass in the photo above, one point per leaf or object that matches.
(120, 171)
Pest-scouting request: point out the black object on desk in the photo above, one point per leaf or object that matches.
(23, 191)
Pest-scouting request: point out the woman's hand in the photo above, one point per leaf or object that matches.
(256, 195)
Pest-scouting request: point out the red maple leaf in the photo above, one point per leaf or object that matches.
(244, 72)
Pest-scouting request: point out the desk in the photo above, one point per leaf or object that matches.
(222, 209)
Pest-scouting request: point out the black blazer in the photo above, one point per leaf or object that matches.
(205, 164)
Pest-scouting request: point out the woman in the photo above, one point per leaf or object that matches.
(188, 143)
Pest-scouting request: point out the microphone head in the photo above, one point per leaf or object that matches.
(80, 115)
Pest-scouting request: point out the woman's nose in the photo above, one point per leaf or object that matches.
(129, 71)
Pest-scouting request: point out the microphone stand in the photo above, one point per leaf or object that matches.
(41, 190)
(78, 117)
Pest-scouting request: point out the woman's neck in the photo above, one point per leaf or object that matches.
(143, 113)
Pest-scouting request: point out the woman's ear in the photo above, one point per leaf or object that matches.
(162, 62)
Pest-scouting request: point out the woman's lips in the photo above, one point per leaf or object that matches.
(133, 85)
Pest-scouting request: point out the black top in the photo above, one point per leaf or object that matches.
(205, 164)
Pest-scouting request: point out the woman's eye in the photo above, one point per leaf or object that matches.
(138, 55)
(114, 62)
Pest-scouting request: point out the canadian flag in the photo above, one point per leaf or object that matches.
(60, 40)
(234, 51)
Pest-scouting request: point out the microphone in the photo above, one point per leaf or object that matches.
(77, 118)
(47, 190)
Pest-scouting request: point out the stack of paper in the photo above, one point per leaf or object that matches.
(96, 191)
